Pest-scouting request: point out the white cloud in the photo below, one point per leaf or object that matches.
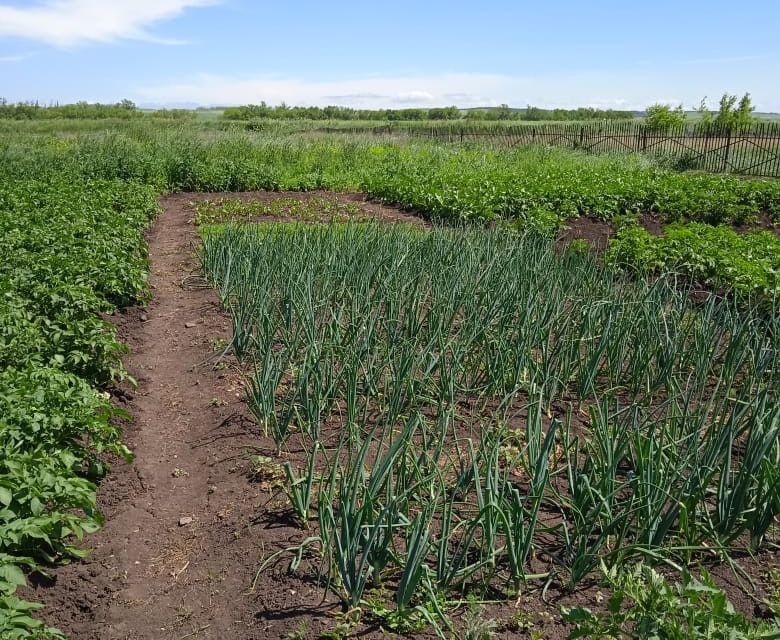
(65, 23)
(609, 89)
(14, 58)
(372, 91)
(414, 97)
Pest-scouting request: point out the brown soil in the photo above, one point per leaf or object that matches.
(368, 208)
(188, 523)
(598, 232)
(150, 575)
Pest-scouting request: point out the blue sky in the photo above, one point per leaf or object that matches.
(390, 54)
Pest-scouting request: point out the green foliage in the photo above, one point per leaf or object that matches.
(539, 187)
(452, 362)
(748, 263)
(532, 184)
(705, 115)
(123, 110)
(502, 112)
(284, 112)
(733, 114)
(18, 623)
(644, 605)
(487, 312)
(583, 114)
(322, 209)
(661, 117)
(72, 249)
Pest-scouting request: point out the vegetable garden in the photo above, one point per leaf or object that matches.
(477, 411)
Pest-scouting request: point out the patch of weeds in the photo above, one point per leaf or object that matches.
(318, 208)
(299, 633)
(476, 626)
(579, 247)
(644, 605)
(520, 622)
(264, 469)
(401, 621)
(773, 579)
(218, 344)
(345, 624)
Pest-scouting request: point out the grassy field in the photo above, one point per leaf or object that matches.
(483, 410)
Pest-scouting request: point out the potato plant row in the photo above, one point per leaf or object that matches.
(537, 186)
(71, 250)
(717, 257)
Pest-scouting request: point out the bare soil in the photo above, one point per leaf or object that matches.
(598, 232)
(188, 522)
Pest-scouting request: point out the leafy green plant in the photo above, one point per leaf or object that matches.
(644, 605)
(661, 117)
(748, 263)
(73, 249)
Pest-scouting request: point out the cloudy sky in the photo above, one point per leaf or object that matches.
(390, 54)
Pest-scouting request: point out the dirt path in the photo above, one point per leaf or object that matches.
(179, 549)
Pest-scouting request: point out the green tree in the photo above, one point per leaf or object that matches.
(725, 115)
(705, 115)
(744, 113)
(732, 113)
(503, 112)
(663, 116)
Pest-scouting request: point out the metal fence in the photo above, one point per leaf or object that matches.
(750, 150)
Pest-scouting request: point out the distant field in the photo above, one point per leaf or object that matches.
(208, 115)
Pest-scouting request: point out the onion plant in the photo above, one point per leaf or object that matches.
(472, 400)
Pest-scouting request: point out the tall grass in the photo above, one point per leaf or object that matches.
(539, 187)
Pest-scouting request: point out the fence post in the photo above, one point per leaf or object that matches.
(582, 136)
(728, 149)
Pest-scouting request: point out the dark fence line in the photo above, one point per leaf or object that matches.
(750, 149)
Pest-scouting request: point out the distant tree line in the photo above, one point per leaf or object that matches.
(124, 109)
(503, 112)
(537, 114)
(285, 112)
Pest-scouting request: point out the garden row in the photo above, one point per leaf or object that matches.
(481, 414)
(540, 186)
(534, 188)
(71, 250)
(717, 257)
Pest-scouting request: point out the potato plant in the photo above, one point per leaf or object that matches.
(71, 251)
(718, 257)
